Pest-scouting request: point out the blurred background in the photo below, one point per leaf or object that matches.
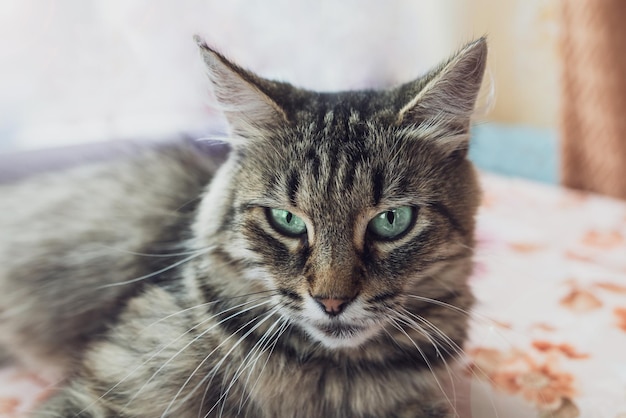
(81, 71)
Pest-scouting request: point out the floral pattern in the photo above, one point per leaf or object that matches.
(549, 334)
(548, 338)
(19, 392)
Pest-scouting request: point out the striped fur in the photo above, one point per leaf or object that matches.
(230, 323)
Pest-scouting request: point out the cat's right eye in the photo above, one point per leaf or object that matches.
(286, 222)
(392, 224)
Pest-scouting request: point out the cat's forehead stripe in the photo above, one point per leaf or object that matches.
(312, 158)
(293, 184)
(377, 185)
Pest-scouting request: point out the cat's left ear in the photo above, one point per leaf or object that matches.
(242, 95)
(439, 105)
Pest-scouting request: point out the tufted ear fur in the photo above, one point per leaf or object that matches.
(247, 107)
(440, 104)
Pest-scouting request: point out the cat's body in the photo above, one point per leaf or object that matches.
(67, 235)
(321, 271)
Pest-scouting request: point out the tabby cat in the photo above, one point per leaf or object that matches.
(321, 271)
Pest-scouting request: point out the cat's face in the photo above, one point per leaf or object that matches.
(347, 204)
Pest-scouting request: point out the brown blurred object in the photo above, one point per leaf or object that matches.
(593, 108)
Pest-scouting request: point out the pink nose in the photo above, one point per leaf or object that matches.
(333, 306)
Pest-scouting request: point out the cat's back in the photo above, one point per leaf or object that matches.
(70, 238)
(125, 199)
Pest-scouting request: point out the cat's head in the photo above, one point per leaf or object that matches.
(346, 204)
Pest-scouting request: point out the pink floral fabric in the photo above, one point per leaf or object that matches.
(548, 335)
(20, 391)
(549, 330)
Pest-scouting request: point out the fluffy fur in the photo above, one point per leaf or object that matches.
(161, 286)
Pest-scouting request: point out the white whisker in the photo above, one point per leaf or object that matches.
(458, 350)
(270, 292)
(432, 371)
(438, 333)
(147, 276)
(409, 322)
(196, 338)
(247, 361)
(166, 346)
(219, 364)
(284, 326)
(472, 315)
(156, 255)
(211, 353)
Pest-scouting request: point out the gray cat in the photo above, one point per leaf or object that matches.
(321, 271)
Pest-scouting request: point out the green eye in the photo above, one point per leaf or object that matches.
(286, 222)
(391, 224)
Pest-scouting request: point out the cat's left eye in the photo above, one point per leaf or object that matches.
(286, 222)
(392, 224)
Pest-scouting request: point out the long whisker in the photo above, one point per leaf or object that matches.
(155, 255)
(417, 327)
(438, 333)
(399, 328)
(460, 353)
(155, 273)
(196, 338)
(247, 361)
(472, 315)
(219, 364)
(412, 324)
(211, 353)
(164, 347)
(284, 326)
(465, 312)
(270, 292)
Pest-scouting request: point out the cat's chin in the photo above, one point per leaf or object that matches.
(338, 335)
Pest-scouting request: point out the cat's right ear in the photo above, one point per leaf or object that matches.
(249, 110)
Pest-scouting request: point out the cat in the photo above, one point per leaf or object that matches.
(320, 271)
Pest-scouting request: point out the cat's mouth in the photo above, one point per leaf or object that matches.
(337, 334)
(339, 330)
(348, 330)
